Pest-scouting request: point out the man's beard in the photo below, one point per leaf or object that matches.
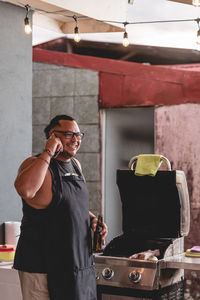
(67, 155)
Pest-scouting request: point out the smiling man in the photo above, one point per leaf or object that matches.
(53, 255)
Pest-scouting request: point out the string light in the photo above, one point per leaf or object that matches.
(27, 27)
(76, 31)
(196, 3)
(125, 37)
(198, 33)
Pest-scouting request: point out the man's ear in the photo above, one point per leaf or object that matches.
(51, 131)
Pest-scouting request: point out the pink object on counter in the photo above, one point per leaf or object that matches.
(195, 249)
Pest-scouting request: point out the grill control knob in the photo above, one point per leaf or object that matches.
(108, 273)
(135, 276)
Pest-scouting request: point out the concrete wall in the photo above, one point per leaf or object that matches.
(71, 91)
(15, 105)
(177, 130)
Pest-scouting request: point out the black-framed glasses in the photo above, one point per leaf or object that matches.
(70, 134)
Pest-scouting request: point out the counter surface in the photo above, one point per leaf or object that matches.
(181, 261)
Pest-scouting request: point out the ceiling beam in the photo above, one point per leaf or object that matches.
(183, 1)
(66, 25)
(89, 25)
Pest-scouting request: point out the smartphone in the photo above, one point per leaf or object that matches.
(56, 153)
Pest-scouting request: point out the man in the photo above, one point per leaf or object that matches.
(53, 253)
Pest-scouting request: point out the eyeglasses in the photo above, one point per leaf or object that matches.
(70, 134)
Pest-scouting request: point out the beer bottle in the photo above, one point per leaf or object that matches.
(97, 241)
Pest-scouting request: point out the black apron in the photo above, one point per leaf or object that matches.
(70, 268)
(58, 239)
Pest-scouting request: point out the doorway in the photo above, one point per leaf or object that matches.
(126, 132)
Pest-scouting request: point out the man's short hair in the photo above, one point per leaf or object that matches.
(55, 122)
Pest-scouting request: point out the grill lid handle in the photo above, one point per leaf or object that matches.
(166, 161)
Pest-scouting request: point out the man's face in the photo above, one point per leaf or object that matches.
(72, 143)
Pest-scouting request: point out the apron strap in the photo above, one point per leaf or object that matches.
(76, 166)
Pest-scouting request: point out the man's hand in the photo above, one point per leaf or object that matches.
(103, 232)
(54, 144)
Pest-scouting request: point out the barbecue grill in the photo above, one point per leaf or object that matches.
(156, 215)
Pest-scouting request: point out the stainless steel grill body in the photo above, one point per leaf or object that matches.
(138, 274)
(122, 268)
(154, 209)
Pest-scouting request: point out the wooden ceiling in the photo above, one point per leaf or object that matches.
(135, 53)
(183, 1)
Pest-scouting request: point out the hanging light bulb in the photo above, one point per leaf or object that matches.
(198, 37)
(198, 33)
(196, 3)
(76, 31)
(76, 35)
(27, 26)
(125, 37)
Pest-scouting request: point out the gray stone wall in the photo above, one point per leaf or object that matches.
(71, 91)
(15, 105)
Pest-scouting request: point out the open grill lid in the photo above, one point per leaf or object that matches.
(154, 207)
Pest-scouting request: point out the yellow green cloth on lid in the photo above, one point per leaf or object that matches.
(148, 164)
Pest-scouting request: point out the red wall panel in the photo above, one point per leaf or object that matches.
(133, 84)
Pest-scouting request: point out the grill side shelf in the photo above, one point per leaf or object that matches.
(180, 261)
